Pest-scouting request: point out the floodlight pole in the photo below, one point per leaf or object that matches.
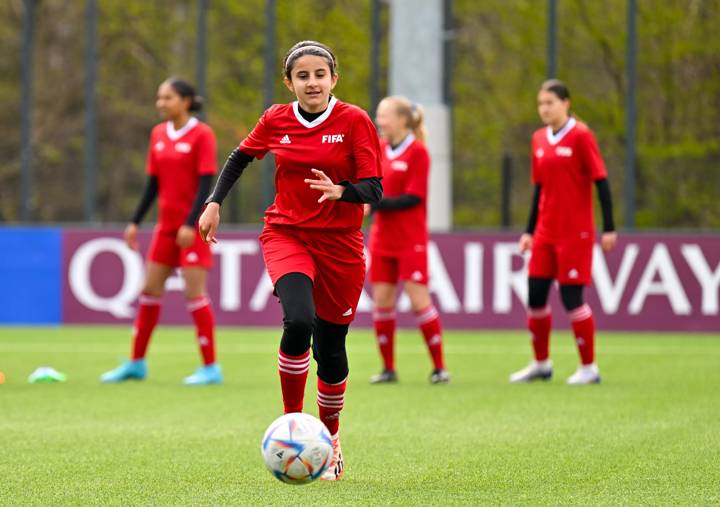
(90, 108)
(26, 110)
(630, 114)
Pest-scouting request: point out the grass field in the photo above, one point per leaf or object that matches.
(650, 434)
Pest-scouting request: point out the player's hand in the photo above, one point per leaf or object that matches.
(209, 222)
(367, 210)
(525, 243)
(185, 236)
(130, 236)
(608, 240)
(331, 191)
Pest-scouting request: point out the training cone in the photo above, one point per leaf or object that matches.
(46, 375)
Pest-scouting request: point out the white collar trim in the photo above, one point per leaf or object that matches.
(174, 135)
(400, 148)
(553, 139)
(317, 121)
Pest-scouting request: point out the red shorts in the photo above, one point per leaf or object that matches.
(164, 250)
(334, 261)
(569, 262)
(411, 267)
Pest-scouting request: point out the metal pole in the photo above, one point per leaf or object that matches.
(630, 115)
(270, 77)
(552, 40)
(26, 110)
(201, 52)
(375, 40)
(506, 190)
(448, 42)
(90, 108)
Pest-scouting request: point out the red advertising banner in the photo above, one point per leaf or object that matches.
(478, 281)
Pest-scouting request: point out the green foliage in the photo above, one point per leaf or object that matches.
(499, 62)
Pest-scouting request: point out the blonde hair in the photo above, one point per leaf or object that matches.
(413, 113)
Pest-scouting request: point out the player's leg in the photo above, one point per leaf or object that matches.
(199, 306)
(147, 317)
(542, 269)
(384, 295)
(331, 356)
(583, 326)
(574, 272)
(428, 320)
(296, 298)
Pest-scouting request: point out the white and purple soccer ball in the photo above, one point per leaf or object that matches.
(297, 448)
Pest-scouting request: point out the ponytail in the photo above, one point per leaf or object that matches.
(186, 91)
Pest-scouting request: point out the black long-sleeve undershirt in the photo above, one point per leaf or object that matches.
(403, 201)
(367, 190)
(147, 199)
(603, 189)
(204, 184)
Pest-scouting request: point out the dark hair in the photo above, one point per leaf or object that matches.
(309, 47)
(186, 91)
(557, 87)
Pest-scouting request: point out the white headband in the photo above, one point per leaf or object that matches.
(322, 50)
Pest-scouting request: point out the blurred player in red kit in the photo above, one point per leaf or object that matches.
(327, 159)
(560, 234)
(399, 235)
(180, 165)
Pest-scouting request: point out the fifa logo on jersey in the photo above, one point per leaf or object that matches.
(399, 165)
(563, 151)
(335, 138)
(183, 147)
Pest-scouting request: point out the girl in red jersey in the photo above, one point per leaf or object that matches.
(327, 159)
(560, 232)
(180, 164)
(399, 235)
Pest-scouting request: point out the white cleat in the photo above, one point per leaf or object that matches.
(536, 370)
(585, 374)
(337, 465)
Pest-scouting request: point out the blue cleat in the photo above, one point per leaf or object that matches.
(205, 375)
(129, 370)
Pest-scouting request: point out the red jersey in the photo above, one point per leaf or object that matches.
(342, 142)
(405, 171)
(178, 158)
(565, 165)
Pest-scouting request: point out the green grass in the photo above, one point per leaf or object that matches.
(650, 434)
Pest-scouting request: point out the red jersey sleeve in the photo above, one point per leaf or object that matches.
(534, 167)
(206, 153)
(419, 172)
(256, 143)
(590, 155)
(150, 166)
(366, 147)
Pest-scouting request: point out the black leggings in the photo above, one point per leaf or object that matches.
(539, 290)
(300, 323)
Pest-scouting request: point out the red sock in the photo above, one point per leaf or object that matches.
(330, 400)
(205, 325)
(429, 322)
(293, 375)
(146, 320)
(384, 320)
(584, 328)
(539, 324)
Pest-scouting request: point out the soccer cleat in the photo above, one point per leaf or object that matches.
(385, 377)
(440, 376)
(536, 370)
(129, 370)
(337, 465)
(205, 375)
(585, 374)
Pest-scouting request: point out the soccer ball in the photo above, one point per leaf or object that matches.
(297, 448)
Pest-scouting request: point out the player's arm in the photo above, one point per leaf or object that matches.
(526, 238)
(234, 166)
(609, 237)
(204, 184)
(367, 190)
(148, 198)
(400, 202)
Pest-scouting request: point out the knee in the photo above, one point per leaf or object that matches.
(329, 352)
(299, 326)
(572, 296)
